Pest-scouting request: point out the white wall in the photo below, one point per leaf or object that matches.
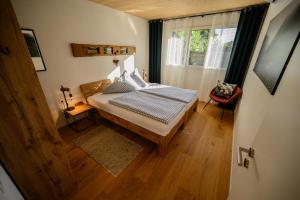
(57, 23)
(271, 125)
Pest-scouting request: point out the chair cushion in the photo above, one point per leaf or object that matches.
(224, 90)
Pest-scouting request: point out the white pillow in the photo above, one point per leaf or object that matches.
(137, 78)
(128, 79)
(119, 87)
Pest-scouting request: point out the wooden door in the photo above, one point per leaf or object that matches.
(30, 146)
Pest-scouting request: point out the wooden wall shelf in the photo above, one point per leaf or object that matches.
(83, 50)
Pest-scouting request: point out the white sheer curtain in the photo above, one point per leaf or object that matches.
(196, 51)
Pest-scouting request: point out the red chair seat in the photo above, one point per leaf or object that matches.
(236, 94)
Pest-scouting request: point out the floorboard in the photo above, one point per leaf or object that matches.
(196, 166)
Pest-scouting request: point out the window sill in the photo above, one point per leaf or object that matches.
(201, 67)
(195, 67)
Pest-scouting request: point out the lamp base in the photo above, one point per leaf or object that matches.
(70, 108)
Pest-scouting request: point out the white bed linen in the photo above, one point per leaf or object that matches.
(101, 101)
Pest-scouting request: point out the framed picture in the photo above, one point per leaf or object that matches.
(278, 46)
(34, 49)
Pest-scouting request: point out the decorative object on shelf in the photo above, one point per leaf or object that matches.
(34, 49)
(116, 50)
(93, 50)
(278, 46)
(83, 50)
(115, 60)
(123, 50)
(107, 50)
(63, 90)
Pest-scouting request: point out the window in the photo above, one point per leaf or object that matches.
(207, 48)
(198, 46)
(221, 42)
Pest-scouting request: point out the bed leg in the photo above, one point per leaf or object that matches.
(162, 148)
(196, 106)
(185, 121)
(182, 126)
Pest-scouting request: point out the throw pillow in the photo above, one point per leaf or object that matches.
(224, 89)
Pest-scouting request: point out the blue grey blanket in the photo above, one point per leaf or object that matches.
(154, 107)
(178, 94)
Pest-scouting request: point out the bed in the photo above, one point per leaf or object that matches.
(148, 128)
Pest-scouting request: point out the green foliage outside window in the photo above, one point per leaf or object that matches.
(221, 43)
(198, 46)
(199, 40)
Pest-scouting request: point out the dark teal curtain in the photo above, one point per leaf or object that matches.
(250, 22)
(155, 39)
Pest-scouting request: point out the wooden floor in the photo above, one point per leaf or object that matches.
(196, 166)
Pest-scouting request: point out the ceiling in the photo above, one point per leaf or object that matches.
(156, 9)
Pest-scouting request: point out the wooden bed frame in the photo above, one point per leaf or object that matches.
(92, 88)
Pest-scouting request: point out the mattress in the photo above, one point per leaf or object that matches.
(101, 101)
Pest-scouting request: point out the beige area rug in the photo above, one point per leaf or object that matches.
(110, 149)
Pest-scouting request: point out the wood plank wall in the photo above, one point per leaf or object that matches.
(30, 146)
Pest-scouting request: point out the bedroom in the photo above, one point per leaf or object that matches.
(118, 99)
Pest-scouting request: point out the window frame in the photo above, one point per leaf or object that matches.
(188, 43)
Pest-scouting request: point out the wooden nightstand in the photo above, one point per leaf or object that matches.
(80, 112)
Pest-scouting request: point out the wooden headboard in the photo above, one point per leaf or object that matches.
(89, 89)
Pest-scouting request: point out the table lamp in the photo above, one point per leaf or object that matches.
(63, 90)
